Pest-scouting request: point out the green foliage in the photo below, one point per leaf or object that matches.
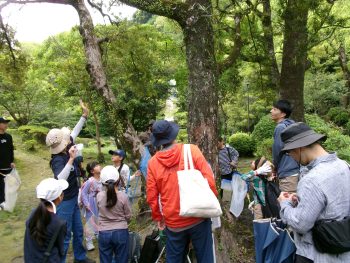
(182, 136)
(263, 129)
(29, 145)
(32, 132)
(336, 141)
(243, 143)
(318, 124)
(338, 115)
(264, 148)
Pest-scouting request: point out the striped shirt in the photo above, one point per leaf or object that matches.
(224, 159)
(323, 193)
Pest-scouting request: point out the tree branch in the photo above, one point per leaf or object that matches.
(8, 40)
(99, 8)
(236, 49)
(173, 9)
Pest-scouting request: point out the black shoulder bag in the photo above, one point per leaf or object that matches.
(47, 253)
(331, 236)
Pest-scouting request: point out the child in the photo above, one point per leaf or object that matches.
(114, 215)
(89, 191)
(43, 224)
(260, 173)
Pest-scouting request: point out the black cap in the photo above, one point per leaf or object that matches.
(3, 120)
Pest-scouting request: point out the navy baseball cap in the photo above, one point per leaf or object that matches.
(120, 153)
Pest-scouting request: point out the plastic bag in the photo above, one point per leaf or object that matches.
(215, 223)
(239, 191)
(226, 185)
(12, 184)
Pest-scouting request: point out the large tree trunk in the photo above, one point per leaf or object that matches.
(273, 72)
(294, 56)
(344, 66)
(202, 80)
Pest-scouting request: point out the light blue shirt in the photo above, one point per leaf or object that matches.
(323, 193)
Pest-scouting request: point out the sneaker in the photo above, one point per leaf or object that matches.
(86, 260)
(90, 245)
(2, 206)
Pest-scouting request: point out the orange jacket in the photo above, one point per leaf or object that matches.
(162, 180)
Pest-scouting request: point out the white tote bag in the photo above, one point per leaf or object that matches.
(196, 197)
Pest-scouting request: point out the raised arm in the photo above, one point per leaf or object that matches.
(79, 126)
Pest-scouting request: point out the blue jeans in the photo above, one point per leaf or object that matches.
(114, 242)
(202, 241)
(69, 210)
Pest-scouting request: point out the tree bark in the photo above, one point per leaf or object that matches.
(294, 56)
(202, 80)
(273, 72)
(344, 66)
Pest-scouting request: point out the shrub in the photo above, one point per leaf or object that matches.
(338, 115)
(243, 143)
(318, 124)
(264, 148)
(182, 136)
(336, 141)
(263, 129)
(32, 132)
(29, 145)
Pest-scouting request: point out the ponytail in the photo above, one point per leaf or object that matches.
(39, 221)
(111, 194)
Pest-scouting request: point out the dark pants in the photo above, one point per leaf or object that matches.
(202, 241)
(114, 242)
(301, 259)
(2, 184)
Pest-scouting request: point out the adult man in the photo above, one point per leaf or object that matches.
(6, 156)
(228, 159)
(322, 194)
(118, 157)
(287, 169)
(162, 186)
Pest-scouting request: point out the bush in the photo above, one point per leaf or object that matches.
(338, 115)
(264, 148)
(263, 129)
(29, 145)
(336, 141)
(318, 124)
(243, 143)
(182, 136)
(32, 132)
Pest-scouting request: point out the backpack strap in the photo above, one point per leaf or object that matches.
(47, 253)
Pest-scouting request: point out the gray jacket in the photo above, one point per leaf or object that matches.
(323, 193)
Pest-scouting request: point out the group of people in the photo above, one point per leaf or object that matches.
(312, 185)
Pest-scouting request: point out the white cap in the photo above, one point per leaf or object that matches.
(50, 188)
(109, 172)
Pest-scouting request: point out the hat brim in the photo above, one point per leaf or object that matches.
(111, 152)
(302, 142)
(63, 184)
(4, 121)
(170, 138)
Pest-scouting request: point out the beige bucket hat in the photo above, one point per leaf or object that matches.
(58, 139)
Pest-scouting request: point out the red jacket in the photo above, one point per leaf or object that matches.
(162, 180)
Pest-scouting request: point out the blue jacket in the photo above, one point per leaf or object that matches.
(284, 164)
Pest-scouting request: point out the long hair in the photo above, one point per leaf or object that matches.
(111, 194)
(39, 221)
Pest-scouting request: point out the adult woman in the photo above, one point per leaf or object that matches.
(64, 166)
(43, 224)
(114, 215)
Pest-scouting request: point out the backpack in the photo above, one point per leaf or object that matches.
(272, 207)
(134, 247)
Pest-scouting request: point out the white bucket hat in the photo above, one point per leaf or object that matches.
(49, 189)
(58, 139)
(109, 173)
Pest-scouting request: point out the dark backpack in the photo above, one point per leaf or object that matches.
(272, 207)
(151, 248)
(134, 247)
